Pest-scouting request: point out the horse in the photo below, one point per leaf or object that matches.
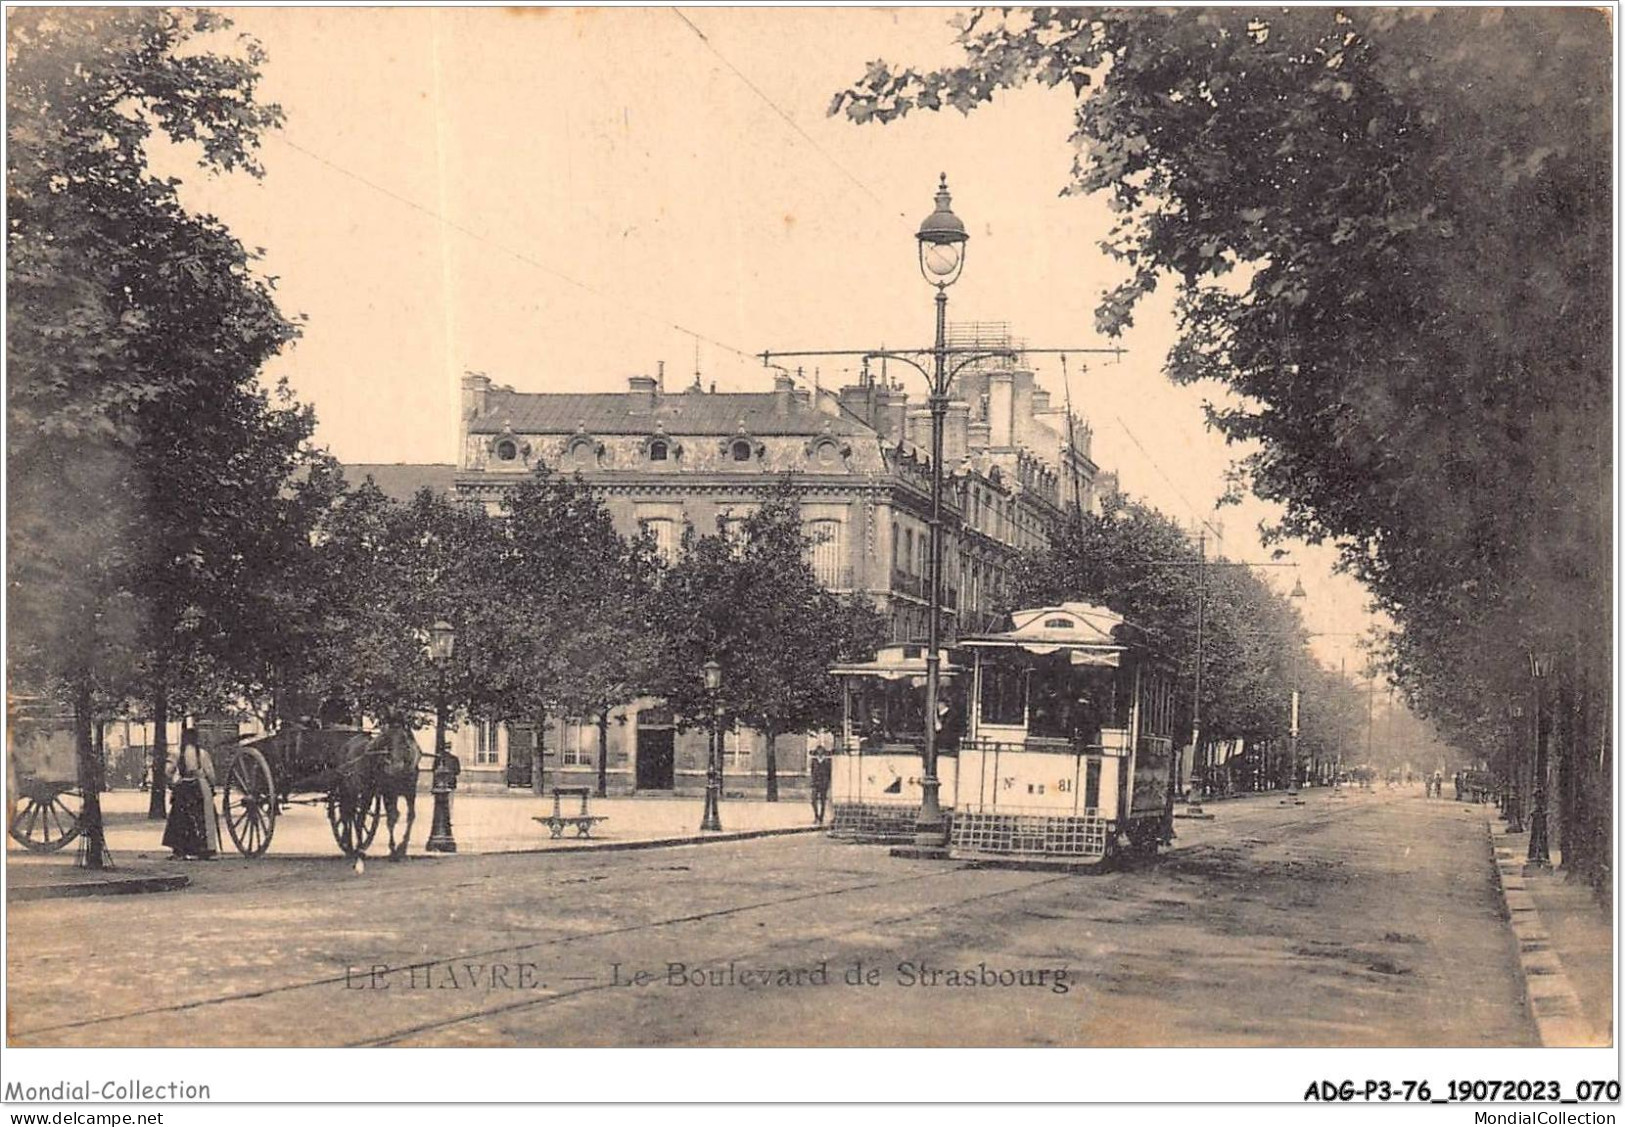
(397, 775)
(384, 764)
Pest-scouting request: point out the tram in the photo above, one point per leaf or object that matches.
(875, 790)
(1069, 754)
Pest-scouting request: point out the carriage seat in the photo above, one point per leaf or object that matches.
(558, 820)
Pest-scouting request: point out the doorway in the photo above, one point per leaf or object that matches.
(656, 768)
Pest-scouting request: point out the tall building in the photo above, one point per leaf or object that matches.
(1014, 462)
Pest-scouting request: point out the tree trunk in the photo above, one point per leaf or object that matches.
(538, 779)
(772, 765)
(93, 851)
(160, 750)
(603, 754)
(1569, 837)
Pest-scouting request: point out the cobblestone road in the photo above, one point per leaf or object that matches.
(1370, 919)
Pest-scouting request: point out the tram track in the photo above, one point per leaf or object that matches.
(1281, 832)
(743, 955)
(1265, 835)
(486, 953)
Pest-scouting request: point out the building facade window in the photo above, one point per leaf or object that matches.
(740, 450)
(735, 750)
(487, 752)
(828, 552)
(663, 532)
(578, 743)
(507, 450)
(658, 451)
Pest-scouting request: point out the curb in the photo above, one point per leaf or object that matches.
(1553, 1003)
(654, 843)
(124, 887)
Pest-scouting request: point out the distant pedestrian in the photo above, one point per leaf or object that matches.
(820, 770)
(191, 830)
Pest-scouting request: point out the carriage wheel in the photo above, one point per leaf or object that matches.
(354, 829)
(47, 820)
(248, 801)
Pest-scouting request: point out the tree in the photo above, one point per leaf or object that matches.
(1401, 284)
(602, 648)
(748, 598)
(1141, 564)
(119, 302)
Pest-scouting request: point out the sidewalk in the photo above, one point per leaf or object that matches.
(1565, 943)
(481, 823)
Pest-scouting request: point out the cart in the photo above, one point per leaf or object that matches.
(337, 768)
(43, 768)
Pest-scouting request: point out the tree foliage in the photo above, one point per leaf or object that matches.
(1390, 231)
(135, 333)
(747, 598)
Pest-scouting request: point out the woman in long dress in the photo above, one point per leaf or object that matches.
(192, 830)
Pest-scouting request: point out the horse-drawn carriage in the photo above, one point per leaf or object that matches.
(358, 776)
(43, 782)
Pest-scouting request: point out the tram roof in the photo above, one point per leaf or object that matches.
(1090, 634)
(894, 663)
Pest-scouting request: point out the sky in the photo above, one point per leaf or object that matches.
(562, 198)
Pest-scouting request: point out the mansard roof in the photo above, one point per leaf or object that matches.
(680, 413)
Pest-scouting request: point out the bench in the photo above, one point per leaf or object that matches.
(558, 820)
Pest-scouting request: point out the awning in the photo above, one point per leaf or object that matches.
(897, 663)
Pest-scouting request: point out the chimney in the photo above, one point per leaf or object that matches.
(1021, 411)
(801, 397)
(475, 387)
(919, 427)
(782, 387)
(859, 400)
(890, 404)
(1040, 401)
(1000, 408)
(978, 436)
(644, 391)
(954, 438)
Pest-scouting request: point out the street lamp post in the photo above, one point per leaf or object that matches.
(1540, 668)
(442, 638)
(942, 243)
(712, 820)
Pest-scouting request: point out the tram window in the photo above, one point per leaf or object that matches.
(1052, 702)
(1091, 783)
(1004, 695)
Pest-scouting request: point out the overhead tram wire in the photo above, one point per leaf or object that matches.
(518, 256)
(774, 106)
(1197, 513)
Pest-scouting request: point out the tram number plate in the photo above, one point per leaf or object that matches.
(1060, 786)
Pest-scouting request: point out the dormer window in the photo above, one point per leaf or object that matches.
(740, 450)
(507, 450)
(658, 451)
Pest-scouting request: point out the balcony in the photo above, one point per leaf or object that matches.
(904, 583)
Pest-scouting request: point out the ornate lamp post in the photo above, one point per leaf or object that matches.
(442, 638)
(942, 242)
(713, 762)
(1540, 668)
